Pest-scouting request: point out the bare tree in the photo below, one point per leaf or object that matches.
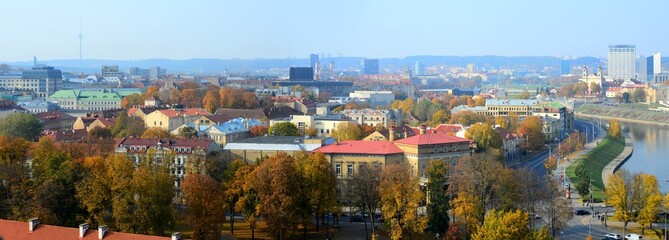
(365, 191)
(555, 207)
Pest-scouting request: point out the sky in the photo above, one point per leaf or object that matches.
(225, 29)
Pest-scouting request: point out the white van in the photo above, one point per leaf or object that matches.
(633, 237)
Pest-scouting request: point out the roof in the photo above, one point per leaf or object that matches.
(44, 116)
(448, 128)
(510, 102)
(184, 112)
(14, 230)
(361, 147)
(432, 138)
(164, 142)
(244, 113)
(282, 112)
(554, 105)
(271, 146)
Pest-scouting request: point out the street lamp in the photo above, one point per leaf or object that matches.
(549, 151)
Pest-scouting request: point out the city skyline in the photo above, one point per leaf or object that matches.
(373, 29)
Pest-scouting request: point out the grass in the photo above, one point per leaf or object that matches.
(594, 163)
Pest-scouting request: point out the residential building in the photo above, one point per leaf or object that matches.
(621, 62)
(38, 106)
(399, 132)
(303, 105)
(370, 66)
(8, 108)
(374, 98)
(90, 100)
(101, 122)
(178, 154)
(40, 81)
(511, 143)
(301, 74)
(141, 112)
(504, 108)
(221, 133)
(56, 120)
(373, 117)
(33, 229)
(562, 120)
(324, 125)
(253, 149)
(170, 119)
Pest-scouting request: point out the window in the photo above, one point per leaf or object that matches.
(338, 169)
(349, 169)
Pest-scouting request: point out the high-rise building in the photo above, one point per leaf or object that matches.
(419, 68)
(313, 59)
(157, 72)
(565, 67)
(111, 71)
(370, 66)
(622, 62)
(301, 74)
(653, 66)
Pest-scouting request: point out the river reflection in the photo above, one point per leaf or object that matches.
(651, 152)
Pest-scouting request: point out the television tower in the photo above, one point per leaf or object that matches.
(81, 36)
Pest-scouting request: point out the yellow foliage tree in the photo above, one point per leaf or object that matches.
(649, 200)
(504, 225)
(619, 195)
(614, 128)
(400, 197)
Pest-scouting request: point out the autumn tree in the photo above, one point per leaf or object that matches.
(153, 188)
(467, 118)
(437, 172)
(175, 96)
(440, 117)
(93, 191)
(614, 128)
(400, 197)
(524, 95)
(638, 95)
(553, 206)
(189, 98)
(278, 191)
(100, 133)
(131, 100)
(484, 136)
(14, 178)
(532, 129)
(364, 190)
(248, 199)
(646, 199)
(620, 195)
(504, 225)
(127, 127)
(188, 133)
(250, 100)
(283, 129)
(204, 206)
(155, 132)
(211, 101)
(595, 88)
(318, 185)
(346, 131)
(232, 187)
(23, 125)
(257, 130)
(311, 132)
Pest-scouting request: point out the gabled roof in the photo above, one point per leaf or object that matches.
(54, 115)
(432, 138)
(184, 112)
(361, 147)
(244, 113)
(163, 142)
(14, 230)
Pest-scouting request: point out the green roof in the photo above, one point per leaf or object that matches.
(85, 94)
(554, 105)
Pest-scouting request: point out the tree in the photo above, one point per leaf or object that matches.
(131, 100)
(248, 200)
(23, 125)
(468, 118)
(484, 136)
(211, 101)
(479, 101)
(175, 96)
(189, 98)
(323, 97)
(614, 128)
(93, 191)
(127, 127)
(250, 100)
(626, 97)
(283, 129)
(257, 130)
(554, 207)
(204, 206)
(437, 208)
(278, 190)
(364, 190)
(532, 129)
(311, 132)
(155, 132)
(440, 117)
(100, 133)
(14, 178)
(648, 200)
(620, 195)
(188, 133)
(524, 95)
(595, 88)
(232, 187)
(318, 184)
(504, 225)
(639, 95)
(153, 189)
(400, 197)
(346, 131)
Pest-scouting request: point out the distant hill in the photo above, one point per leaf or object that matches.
(348, 63)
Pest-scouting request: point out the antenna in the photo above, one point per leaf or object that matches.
(81, 37)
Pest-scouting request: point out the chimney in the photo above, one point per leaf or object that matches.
(421, 129)
(406, 134)
(391, 133)
(176, 236)
(32, 224)
(101, 231)
(82, 229)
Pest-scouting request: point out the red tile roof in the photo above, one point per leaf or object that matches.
(168, 143)
(14, 230)
(184, 112)
(446, 128)
(431, 138)
(361, 147)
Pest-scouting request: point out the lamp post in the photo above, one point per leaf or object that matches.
(549, 151)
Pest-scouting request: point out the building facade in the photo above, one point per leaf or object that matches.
(370, 66)
(373, 117)
(622, 62)
(90, 100)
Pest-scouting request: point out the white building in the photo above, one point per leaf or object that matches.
(373, 117)
(374, 98)
(622, 62)
(323, 124)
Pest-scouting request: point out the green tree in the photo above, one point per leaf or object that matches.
(639, 95)
(437, 206)
(14, 178)
(153, 188)
(318, 185)
(400, 197)
(100, 133)
(347, 131)
(440, 117)
(484, 136)
(127, 127)
(188, 133)
(626, 97)
(155, 132)
(23, 125)
(524, 95)
(283, 129)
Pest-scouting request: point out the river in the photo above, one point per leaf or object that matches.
(651, 152)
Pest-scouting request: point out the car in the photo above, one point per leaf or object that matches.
(633, 237)
(613, 236)
(582, 212)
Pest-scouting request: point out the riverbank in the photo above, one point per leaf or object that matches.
(595, 160)
(634, 115)
(613, 166)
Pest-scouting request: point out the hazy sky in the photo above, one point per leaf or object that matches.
(184, 29)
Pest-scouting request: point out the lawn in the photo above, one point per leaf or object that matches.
(595, 161)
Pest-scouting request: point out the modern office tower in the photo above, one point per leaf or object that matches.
(565, 67)
(42, 80)
(370, 66)
(301, 74)
(313, 58)
(642, 69)
(653, 66)
(157, 72)
(622, 59)
(419, 68)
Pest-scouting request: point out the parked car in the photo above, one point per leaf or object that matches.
(633, 237)
(582, 212)
(613, 236)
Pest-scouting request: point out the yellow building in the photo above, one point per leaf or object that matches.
(170, 119)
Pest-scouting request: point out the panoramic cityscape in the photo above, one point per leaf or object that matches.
(345, 119)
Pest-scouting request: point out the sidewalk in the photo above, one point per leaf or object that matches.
(586, 149)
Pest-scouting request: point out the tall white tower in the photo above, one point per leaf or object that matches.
(81, 37)
(622, 62)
